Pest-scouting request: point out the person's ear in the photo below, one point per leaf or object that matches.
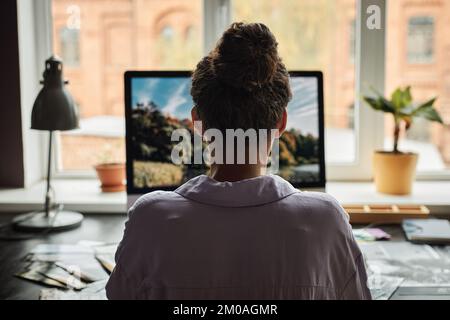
(196, 121)
(281, 125)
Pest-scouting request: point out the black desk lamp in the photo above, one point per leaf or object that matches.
(54, 109)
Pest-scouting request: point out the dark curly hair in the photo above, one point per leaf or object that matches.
(242, 83)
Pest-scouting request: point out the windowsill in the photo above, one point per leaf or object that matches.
(84, 195)
(76, 194)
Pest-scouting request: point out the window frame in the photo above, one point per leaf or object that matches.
(369, 67)
(34, 33)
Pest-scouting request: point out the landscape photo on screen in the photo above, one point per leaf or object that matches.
(161, 105)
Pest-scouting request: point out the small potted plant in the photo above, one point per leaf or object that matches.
(394, 171)
(111, 173)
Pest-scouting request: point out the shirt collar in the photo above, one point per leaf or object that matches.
(246, 193)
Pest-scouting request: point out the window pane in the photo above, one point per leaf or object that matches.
(98, 41)
(418, 55)
(316, 35)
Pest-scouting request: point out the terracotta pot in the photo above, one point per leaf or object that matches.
(112, 176)
(394, 173)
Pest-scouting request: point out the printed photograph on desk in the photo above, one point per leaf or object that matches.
(418, 265)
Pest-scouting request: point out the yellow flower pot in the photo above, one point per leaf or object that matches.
(394, 173)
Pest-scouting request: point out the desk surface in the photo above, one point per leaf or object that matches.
(95, 227)
(107, 228)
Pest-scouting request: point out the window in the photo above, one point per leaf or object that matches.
(420, 39)
(316, 35)
(98, 41)
(418, 56)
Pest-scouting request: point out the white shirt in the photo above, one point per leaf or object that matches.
(253, 239)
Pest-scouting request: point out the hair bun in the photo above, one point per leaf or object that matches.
(246, 56)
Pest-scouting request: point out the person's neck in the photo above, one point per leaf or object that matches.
(236, 172)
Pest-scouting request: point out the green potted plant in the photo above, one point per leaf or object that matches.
(110, 172)
(394, 171)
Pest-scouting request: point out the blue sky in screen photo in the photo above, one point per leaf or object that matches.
(172, 96)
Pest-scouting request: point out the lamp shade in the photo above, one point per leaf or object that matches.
(54, 107)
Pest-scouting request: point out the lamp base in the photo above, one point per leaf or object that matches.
(56, 221)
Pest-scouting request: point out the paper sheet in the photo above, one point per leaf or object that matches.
(69, 266)
(418, 265)
(94, 291)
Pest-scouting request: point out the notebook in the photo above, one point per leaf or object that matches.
(430, 231)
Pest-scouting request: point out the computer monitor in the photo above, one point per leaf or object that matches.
(158, 102)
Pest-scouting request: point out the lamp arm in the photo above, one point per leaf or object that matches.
(48, 195)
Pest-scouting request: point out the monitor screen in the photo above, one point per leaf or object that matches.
(157, 103)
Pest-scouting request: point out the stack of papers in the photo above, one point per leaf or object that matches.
(80, 269)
